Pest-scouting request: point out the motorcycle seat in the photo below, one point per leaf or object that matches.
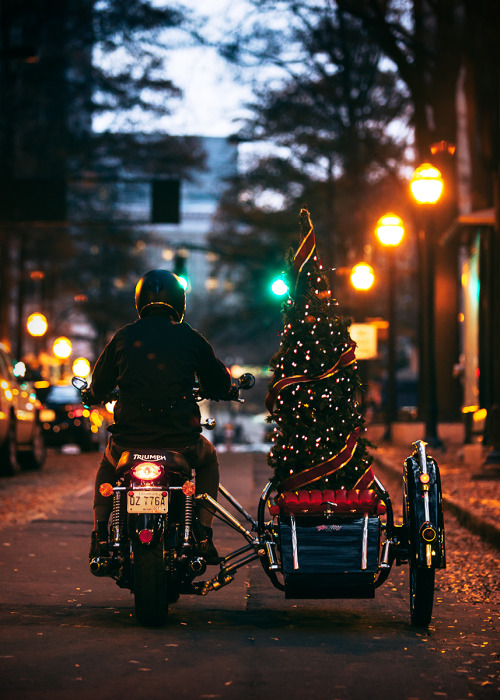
(340, 501)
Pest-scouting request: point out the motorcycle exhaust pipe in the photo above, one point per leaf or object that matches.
(103, 566)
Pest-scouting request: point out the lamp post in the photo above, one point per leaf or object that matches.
(426, 187)
(390, 231)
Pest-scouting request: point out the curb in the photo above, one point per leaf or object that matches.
(486, 531)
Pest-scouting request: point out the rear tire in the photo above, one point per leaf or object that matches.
(149, 579)
(421, 595)
(8, 452)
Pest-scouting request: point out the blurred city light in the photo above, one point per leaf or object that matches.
(426, 184)
(81, 367)
(37, 325)
(62, 348)
(279, 287)
(362, 276)
(390, 229)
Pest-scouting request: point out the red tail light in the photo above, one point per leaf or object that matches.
(147, 471)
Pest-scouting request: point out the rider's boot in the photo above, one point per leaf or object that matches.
(99, 546)
(207, 548)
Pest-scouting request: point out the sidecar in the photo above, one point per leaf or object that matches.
(343, 544)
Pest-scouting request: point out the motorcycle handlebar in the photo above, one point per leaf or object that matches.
(246, 381)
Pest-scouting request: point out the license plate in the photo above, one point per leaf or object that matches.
(147, 502)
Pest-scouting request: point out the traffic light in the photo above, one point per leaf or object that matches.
(279, 287)
(180, 268)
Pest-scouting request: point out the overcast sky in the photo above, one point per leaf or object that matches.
(214, 96)
(214, 93)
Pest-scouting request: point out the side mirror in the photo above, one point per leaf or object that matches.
(246, 381)
(79, 383)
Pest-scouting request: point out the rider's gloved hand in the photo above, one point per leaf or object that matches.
(87, 397)
(233, 393)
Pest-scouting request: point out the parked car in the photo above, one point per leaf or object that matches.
(21, 436)
(65, 421)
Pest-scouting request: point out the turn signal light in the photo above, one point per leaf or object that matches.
(106, 490)
(188, 488)
(147, 471)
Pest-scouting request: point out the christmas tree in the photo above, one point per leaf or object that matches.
(313, 396)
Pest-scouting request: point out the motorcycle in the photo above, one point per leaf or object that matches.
(155, 530)
(316, 544)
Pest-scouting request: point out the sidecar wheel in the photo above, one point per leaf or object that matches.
(149, 579)
(421, 595)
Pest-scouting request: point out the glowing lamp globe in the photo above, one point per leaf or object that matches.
(390, 229)
(37, 325)
(426, 184)
(81, 367)
(62, 348)
(362, 276)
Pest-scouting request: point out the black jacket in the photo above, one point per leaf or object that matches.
(155, 362)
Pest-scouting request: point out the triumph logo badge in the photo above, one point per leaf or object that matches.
(150, 458)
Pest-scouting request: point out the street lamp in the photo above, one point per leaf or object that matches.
(62, 348)
(362, 276)
(426, 187)
(426, 184)
(37, 325)
(390, 231)
(81, 367)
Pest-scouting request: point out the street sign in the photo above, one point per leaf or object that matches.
(365, 337)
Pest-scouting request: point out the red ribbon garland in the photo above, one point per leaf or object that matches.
(365, 480)
(297, 481)
(305, 250)
(347, 358)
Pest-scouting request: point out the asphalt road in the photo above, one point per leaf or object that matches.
(65, 634)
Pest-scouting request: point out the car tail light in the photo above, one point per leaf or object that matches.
(147, 471)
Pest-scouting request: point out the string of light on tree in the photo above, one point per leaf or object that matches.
(313, 394)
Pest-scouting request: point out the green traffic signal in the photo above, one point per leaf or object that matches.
(279, 287)
(183, 281)
(180, 269)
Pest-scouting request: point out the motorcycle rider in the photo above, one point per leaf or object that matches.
(154, 362)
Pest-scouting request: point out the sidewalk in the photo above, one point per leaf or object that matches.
(469, 492)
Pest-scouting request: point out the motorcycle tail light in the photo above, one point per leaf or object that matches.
(106, 490)
(188, 488)
(147, 471)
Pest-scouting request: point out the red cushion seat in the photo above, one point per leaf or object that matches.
(341, 501)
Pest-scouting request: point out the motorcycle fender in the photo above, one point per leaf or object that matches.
(152, 522)
(416, 503)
